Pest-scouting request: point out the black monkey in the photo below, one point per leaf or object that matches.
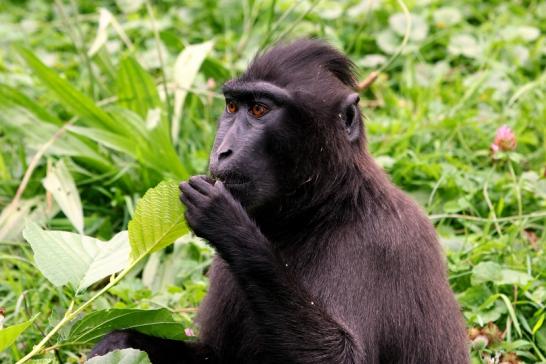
(320, 258)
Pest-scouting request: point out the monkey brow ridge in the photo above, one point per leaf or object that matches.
(249, 89)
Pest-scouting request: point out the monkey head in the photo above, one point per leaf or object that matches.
(291, 119)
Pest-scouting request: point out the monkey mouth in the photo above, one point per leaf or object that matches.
(232, 179)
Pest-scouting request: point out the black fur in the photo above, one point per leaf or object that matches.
(320, 258)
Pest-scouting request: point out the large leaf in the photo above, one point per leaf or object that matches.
(9, 334)
(111, 140)
(10, 95)
(125, 356)
(158, 323)
(137, 92)
(18, 116)
(71, 98)
(486, 272)
(186, 68)
(136, 88)
(158, 220)
(61, 185)
(80, 260)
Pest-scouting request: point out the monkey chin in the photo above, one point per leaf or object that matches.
(242, 191)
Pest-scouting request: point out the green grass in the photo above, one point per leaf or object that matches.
(468, 68)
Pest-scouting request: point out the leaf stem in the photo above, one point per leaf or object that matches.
(70, 315)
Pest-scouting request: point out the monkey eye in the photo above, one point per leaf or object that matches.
(258, 110)
(231, 107)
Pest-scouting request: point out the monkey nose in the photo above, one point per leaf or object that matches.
(224, 154)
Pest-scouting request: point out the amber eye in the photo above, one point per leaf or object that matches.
(258, 110)
(231, 107)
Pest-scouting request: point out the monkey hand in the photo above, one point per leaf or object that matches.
(215, 215)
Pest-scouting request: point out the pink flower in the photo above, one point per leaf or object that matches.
(505, 140)
(189, 332)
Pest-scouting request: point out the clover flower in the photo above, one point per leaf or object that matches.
(505, 140)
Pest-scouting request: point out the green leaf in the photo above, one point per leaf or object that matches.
(136, 88)
(108, 139)
(387, 41)
(510, 276)
(158, 220)
(418, 29)
(511, 312)
(9, 334)
(538, 324)
(32, 122)
(61, 185)
(447, 16)
(158, 323)
(74, 100)
(485, 272)
(465, 45)
(80, 260)
(125, 356)
(13, 96)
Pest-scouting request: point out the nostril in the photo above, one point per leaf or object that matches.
(225, 154)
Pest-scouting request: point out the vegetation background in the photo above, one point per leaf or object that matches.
(119, 95)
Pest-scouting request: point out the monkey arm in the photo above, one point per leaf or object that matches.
(160, 351)
(292, 323)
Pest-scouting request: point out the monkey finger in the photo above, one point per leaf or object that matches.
(191, 193)
(190, 219)
(220, 187)
(186, 201)
(200, 184)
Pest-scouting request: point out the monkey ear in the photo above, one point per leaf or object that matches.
(351, 117)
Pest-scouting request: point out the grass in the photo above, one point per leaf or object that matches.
(431, 115)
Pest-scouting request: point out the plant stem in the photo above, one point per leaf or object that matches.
(161, 63)
(535, 215)
(70, 315)
(490, 205)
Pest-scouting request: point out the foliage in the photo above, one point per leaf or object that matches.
(101, 104)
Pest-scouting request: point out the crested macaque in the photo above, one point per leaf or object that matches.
(320, 258)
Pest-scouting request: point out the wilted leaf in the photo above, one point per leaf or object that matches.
(80, 260)
(105, 17)
(158, 220)
(186, 67)
(34, 209)
(60, 184)
(125, 356)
